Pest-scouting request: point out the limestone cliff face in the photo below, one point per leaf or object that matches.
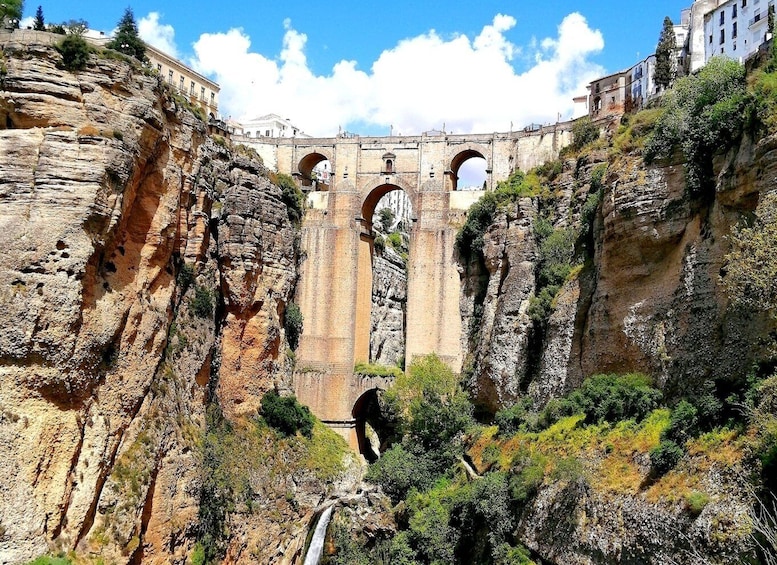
(498, 302)
(389, 300)
(109, 346)
(648, 300)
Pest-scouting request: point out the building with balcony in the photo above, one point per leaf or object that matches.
(640, 86)
(199, 89)
(607, 95)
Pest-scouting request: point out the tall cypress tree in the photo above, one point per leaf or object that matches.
(39, 24)
(664, 73)
(127, 40)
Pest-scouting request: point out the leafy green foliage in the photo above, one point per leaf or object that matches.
(400, 470)
(612, 398)
(584, 131)
(11, 9)
(375, 370)
(432, 412)
(663, 75)
(695, 502)
(292, 197)
(705, 114)
(601, 398)
(554, 263)
(665, 457)
(379, 243)
(202, 303)
(75, 52)
(386, 219)
(49, 560)
(185, 277)
(293, 323)
(127, 40)
(481, 214)
(286, 414)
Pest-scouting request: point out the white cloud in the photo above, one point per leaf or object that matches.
(419, 84)
(26, 23)
(161, 36)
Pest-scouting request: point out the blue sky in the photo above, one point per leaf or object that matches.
(410, 65)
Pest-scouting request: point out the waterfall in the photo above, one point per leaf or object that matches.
(316, 548)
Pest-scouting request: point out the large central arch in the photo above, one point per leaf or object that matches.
(366, 259)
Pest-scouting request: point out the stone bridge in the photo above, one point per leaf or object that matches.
(335, 288)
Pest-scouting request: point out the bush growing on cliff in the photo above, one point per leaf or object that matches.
(293, 323)
(665, 457)
(292, 197)
(481, 214)
(75, 52)
(286, 414)
(584, 131)
(202, 303)
(433, 413)
(704, 115)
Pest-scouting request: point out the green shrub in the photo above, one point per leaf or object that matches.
(185, 277)
(379, 243)
(375, 370)
(584, 131)
(399, 470)
(75, 52)
(293, 323)
(607, 398)
(695, 501)
(202, 303)
(683, 423)
(286, 414)
(386, 219)
(292, 197)
(704, 115)
(49, 560)
(511, 419)
(665, 457)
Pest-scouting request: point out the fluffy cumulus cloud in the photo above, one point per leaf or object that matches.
(470, 85)
(161, 36)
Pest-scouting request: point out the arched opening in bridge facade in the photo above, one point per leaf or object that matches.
(384, 254)
(373, 430)
(469, 170)
(314, 172)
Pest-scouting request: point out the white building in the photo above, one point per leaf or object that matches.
(640, 86)
(271, 125)
(736, 28)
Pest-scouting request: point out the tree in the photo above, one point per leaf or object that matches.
(127, 40)
(665, 71)
(39, 24)
(11, 10)
(75, 52)
(386, 219)
(77, 27)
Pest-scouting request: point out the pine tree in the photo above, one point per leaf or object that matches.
(39, 24)
(127, 40)
(664, 73)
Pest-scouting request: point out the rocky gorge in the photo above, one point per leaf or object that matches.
(148, 265)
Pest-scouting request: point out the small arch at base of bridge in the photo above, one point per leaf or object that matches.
(369, 420)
